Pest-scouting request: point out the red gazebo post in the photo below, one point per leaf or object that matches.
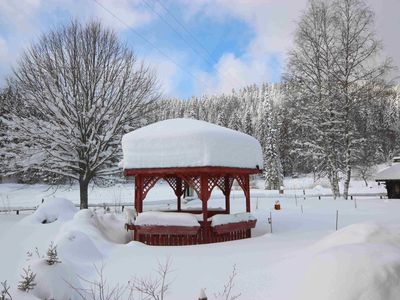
(227, 193)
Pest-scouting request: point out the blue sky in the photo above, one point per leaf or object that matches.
(237, 42)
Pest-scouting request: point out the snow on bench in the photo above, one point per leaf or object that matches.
(156, 218)
(229, 219)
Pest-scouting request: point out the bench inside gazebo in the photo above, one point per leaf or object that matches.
(190, 153)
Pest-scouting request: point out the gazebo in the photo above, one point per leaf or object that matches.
(191, 153)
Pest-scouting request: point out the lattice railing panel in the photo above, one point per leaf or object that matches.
(176, 184)
(243, 182)
(212, 183)
(194, 182)
(221, 183)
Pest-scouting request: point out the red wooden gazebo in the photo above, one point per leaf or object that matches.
(190, 153)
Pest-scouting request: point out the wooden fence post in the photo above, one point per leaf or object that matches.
(203, 295)
(337, 218)
(270, 220)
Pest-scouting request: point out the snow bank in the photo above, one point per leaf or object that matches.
(56, 209)
(234, 218)
(166, 219)
(189, 143)
(357, 234)
(361, 261)
(90, 236)
(52, 282)
(98, 226)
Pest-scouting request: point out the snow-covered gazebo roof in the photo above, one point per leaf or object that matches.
(177, 143)
(390, 173)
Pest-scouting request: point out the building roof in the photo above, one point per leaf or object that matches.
(179, 143)
(390, 173)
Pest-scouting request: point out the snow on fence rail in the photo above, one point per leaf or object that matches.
(18, 209)
(380, 195)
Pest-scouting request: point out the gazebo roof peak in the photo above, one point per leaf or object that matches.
(180, 143)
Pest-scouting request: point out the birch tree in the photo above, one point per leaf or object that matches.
(356, 70)
(83, 89)
(312, 89)
(335, 71)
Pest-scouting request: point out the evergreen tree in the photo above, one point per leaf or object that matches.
(234, 122)
(248, 126)
(27, 282)
(52, 255)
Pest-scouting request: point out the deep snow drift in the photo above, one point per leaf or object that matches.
(304, 258)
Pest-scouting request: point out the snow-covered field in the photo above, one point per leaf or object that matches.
(304, 257)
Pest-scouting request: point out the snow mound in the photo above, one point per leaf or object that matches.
(54, 282)
(77, 247)
(234, 218)
(361, 261)
(189, 143)
(356, 234)
(166, 219)
(99, 227)
(56, 209)
(89, 238)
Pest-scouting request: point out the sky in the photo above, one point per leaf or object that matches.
(196, 47)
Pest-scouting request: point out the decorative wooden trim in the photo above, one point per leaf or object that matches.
(169, 230)
(191, 170)
(148, 183)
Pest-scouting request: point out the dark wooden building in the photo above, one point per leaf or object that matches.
(391, 177)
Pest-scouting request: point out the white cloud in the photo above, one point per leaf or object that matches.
(127, 11)
(272, 21)
(232, 72)
(18, 14)
(3, 50)
(24, 20)
(167, 75)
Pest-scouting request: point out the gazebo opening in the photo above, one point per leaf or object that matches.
(194, 154)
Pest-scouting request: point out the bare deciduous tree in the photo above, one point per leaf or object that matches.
(99, 289)
(335, 71)
(82, 90)
(226, 293)
(153, 288)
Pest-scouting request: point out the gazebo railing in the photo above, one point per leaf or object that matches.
(180, 235)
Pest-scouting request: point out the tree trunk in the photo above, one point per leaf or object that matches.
(83, 188)
(347, 182)
(348, 168)
(334, 180)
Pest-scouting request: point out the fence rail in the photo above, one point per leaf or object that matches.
(122, 205)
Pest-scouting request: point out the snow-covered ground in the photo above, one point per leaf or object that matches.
(304, 257)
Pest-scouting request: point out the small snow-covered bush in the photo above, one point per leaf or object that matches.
(52, 256)
(28, 280)
(5, 291)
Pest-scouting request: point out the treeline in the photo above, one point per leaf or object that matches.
(335, 111)
(271, 113)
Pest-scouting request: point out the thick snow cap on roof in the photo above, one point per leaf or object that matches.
(189, 143)
(391, 173)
